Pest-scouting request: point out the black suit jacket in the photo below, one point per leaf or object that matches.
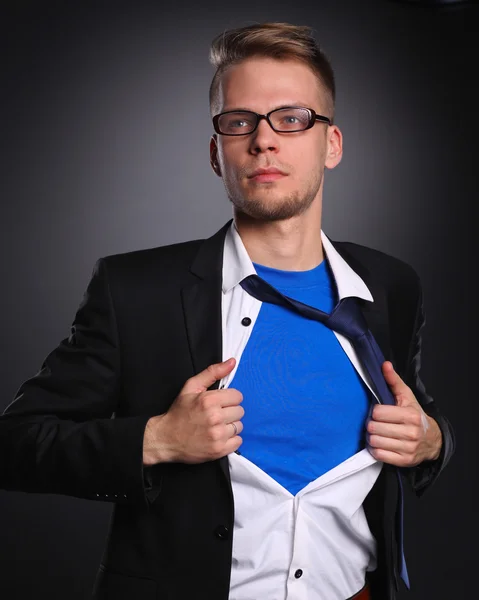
(149, 320)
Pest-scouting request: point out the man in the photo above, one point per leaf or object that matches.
(252, 453)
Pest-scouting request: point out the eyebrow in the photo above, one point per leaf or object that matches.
(288, 105)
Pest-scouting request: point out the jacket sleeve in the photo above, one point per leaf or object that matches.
(423, 475)
(60, 434)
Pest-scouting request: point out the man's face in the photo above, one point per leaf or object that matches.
(261, 85)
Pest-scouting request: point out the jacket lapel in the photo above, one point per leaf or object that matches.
(375, 313)
(202, 309)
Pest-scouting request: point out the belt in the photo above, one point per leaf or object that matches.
(362, 594)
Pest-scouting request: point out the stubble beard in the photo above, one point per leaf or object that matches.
(263, 209)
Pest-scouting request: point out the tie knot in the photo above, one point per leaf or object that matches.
(348, 319)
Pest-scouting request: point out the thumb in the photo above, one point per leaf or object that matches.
(202, 381)
(401, 392)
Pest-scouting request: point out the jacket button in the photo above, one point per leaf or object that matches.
(246, 321)
(222, 532)
(298, 573)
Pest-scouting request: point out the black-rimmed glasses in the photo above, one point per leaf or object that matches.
(283, 120)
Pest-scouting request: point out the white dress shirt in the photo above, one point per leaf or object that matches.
(315, 545)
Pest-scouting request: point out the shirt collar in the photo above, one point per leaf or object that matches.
(237, 265)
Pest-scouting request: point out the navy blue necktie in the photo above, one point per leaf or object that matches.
(348, 320)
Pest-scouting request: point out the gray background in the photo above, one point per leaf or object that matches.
(105, 130)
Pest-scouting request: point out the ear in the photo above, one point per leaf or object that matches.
(334, 151)
(215, 165)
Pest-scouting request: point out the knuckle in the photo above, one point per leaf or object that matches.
(411, 449)
(217, 448)
(214, 434)
(211, 420)
(204, 401)
(416, 418)
(211, 369)
(413, 434)
(208, 401)
(213, 417)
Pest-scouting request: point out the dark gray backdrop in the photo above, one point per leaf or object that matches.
(105, 131)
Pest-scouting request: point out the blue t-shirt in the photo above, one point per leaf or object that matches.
(305, 405)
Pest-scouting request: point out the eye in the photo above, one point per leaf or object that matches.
(239, 123)
(291, 120)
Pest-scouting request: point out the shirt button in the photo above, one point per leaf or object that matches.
(246, 321)
(298, 573)
(222, 532)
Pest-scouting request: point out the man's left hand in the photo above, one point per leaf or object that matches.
(402, 435)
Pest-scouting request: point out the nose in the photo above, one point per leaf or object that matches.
(264, 138)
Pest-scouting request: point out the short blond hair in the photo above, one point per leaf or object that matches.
(281, 41)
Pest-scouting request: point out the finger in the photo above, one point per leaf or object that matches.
(398, 388)
(230, 397)
(232, 413)
(236, 428)
(385, 413)
(232, 444)
(202, 381)
(386, 456)
(391, 444)
(393, 430)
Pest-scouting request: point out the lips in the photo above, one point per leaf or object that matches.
(267, 175)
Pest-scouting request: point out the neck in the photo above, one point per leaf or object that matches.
(290, 245)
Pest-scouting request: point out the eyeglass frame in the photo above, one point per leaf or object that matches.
(313, 117)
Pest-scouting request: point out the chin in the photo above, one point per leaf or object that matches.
(280, 210)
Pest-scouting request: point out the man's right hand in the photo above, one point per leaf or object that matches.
(198, 426)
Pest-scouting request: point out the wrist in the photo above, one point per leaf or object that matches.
(436, 439)
(154, 446)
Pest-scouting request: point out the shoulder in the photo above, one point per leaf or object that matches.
(390, 271)
(168, 259)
